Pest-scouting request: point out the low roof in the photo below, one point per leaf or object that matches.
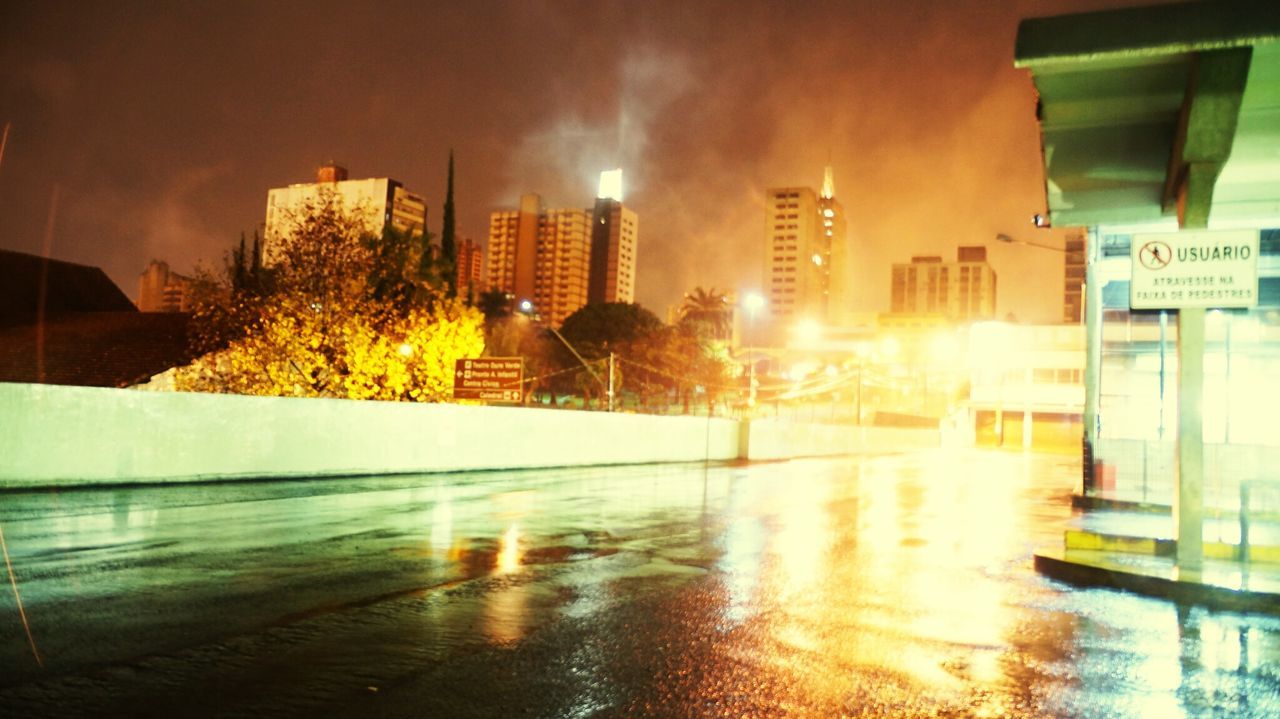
(27, 281)
(1158, 112)
(94, 349)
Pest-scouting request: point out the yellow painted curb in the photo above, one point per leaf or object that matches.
(1123, 544)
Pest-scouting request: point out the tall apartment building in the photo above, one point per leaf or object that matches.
(1073, 279)
(560, 259)
(614, 228)
(960, 290)
(161, 290)
(377, 201)
(806, 255)
(470, 268)
(541, 255)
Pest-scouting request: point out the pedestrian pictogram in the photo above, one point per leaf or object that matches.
(1194, 268)
(1155, 255)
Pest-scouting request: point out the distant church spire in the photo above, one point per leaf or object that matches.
(828, 184)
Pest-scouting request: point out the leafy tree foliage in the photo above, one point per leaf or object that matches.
(599, 328)
(710, 310)
(343, 314)
(495, 304)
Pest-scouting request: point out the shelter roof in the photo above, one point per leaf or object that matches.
(1155, 113)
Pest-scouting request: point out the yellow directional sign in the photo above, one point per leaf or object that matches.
(493, 379)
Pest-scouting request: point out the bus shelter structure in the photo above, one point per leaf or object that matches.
(1166, 120)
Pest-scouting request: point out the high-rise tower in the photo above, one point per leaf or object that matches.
(613, 244)
(805, 253)
(561, 259)
(541, 255)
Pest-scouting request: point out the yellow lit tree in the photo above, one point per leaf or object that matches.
(339, 314)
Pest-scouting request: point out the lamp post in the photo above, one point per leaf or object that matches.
(754, 302)
(1002, 237)
(526, 308)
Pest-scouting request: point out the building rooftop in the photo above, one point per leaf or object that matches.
(67, 287)
(94, 349)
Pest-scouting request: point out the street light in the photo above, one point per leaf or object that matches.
(526, 308)
(1002, 237)
(754, 302)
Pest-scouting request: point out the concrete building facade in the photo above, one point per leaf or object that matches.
(806, 255)
(1073, 279)
(377, 202)
(541, 255)
(559, 259)
(963, 290)
(470, 268)
(162, 290)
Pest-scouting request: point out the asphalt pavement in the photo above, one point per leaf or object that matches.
(889, 585)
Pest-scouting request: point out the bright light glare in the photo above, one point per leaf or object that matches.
(817, 259)
(509, 551)
(611, 185)
(406, 349)
(944, 348)
(802, 370)
(889, 347)
(808, 330)
(991, 344)
(526, 306)
(753, 301)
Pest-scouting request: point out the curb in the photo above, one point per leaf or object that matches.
(1181, 592)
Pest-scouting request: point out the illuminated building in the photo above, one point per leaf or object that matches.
(470, 268)
(560, 259)
(160, 290)
(612, 276)
(376, 201)
(1026, 384)
(1073, 280)
(806, 256)
(961, 290)
(541, 255)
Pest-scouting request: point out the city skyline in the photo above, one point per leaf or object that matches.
(152, 135)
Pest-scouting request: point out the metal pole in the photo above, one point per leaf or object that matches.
(751, 358)
(859, 400)
(610, 381)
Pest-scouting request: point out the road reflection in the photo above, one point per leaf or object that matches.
(897, 585)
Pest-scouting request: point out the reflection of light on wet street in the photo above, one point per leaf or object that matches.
(442, 524)
(506, 614)
(509, 551)
(892, 585)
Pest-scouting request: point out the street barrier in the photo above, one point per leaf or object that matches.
(65, 436)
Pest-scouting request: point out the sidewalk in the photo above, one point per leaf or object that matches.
(1131, 548)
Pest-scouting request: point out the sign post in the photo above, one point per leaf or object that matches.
(492, 379)
(1203, 268)
(1191, 271)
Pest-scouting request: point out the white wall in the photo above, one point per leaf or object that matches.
(71, 435)
(51, 434)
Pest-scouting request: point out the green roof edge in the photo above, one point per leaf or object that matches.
(1149, 31)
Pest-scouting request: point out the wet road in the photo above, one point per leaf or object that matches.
(895, 585)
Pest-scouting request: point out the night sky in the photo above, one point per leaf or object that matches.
(144, 130)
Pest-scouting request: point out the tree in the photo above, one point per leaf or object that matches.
(346, 315)
(448, 241)
(710, 309)
(495, 304)
(599, 328)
